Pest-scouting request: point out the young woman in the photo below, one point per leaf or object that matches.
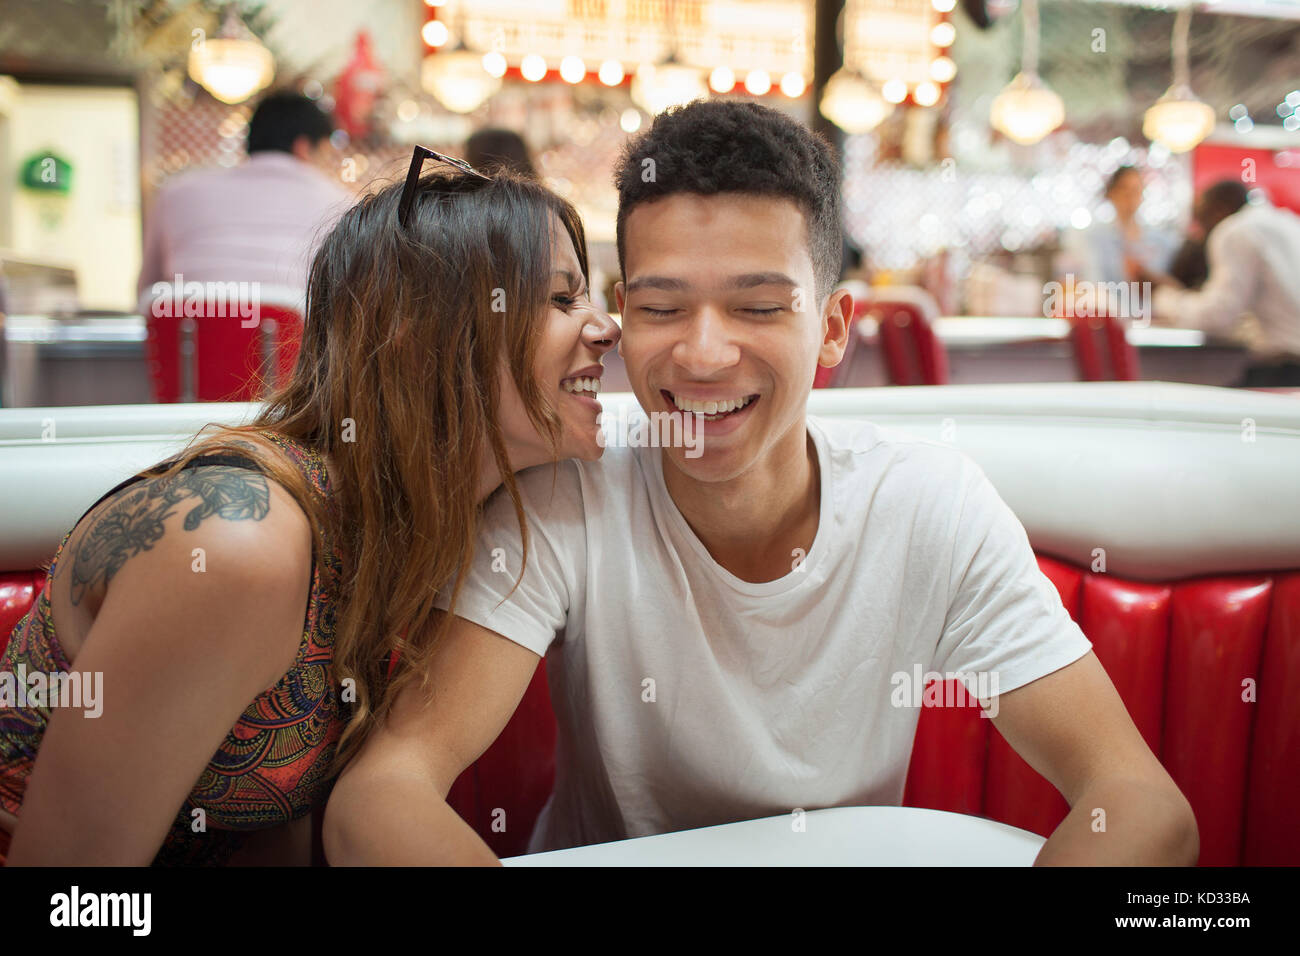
(1099, 253)
(244, 604)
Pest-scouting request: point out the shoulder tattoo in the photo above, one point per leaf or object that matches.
(135, 521)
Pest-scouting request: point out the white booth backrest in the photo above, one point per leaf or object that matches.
(1170, 480)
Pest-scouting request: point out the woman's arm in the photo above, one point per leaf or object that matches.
(177, 652)
(389, 807)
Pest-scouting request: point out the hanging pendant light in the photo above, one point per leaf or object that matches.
(656, 87)
(233, 65)
(850, 100)
(1027, 109)
(459, 78)
(852, 103)
(1178, 120)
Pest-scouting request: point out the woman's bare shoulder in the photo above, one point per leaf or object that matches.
(214, 527)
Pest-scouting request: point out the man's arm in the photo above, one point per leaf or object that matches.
(1226, 294)
(389, 807)
(1072, 727)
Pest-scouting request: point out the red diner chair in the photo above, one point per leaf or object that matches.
(218, 356)
(1102, 351)
(913, 353)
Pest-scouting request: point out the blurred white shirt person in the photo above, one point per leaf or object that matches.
(257, 222)
(1254, 259)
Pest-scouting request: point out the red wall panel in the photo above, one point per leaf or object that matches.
(1216, 636)
(1273, 794)
(1212, 162)
(1128, 624)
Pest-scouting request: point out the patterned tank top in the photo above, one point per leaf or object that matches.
(274, 765)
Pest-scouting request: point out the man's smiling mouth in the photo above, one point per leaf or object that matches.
(712, 409)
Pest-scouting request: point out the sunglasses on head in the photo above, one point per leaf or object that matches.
(413, 178)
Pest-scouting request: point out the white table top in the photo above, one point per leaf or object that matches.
(840, 836)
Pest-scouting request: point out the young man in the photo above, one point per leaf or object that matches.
(722, 621)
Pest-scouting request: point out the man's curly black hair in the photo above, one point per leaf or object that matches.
(735, 146)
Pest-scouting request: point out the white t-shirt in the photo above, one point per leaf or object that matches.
(687, 697)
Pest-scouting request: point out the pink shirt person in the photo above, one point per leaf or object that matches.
(257, 222)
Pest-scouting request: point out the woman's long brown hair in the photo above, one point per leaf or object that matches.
(397, 382)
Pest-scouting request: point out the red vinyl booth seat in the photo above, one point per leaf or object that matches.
(1183, 656)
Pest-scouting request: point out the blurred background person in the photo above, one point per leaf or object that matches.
(496, 148)
(853, 262)
(1098, 253)
(1253, 253)
(1189, 266)
(256, 222)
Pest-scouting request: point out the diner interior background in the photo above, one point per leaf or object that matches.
(934, 196)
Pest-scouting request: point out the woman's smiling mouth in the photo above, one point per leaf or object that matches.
(584, 386)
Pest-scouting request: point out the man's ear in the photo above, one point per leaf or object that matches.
(837, 318)
(303, 149)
